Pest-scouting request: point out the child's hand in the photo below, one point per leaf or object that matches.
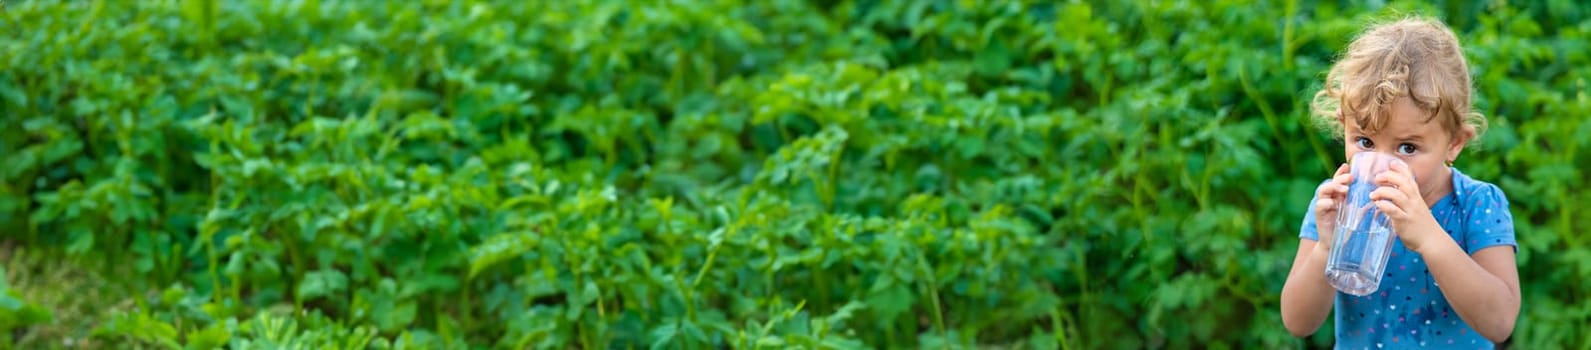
(1399, 198)
(1330, 194)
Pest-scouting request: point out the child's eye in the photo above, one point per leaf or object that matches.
(1407, 149)
(1364, 142)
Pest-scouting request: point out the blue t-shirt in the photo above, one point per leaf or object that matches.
(1408, 311)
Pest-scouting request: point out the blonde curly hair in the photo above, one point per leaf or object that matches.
(1416, 58)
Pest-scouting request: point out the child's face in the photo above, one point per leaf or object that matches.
(1421, 143)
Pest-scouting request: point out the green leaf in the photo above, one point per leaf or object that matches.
(499, 248)
(142, 327)
(663, 335)
(891, 301)
(211, 337)
(322, 283)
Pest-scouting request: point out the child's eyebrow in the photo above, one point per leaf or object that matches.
(1414, 137)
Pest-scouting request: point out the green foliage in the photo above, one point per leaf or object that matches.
(749, 174)
(17, 313)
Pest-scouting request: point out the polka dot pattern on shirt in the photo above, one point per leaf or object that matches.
(1409, 309)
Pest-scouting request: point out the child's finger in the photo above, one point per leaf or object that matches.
(1398, 180)
(1392, 210)
(1395, 196)
(1325, 190)
(1342, 179)
(1325, 203)
(1402, 168)
(1331, 191)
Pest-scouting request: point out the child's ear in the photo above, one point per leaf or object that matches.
(1463, 138)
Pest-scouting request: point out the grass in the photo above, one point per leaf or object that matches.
(75, 290)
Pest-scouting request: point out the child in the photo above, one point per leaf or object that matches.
(1404, 89)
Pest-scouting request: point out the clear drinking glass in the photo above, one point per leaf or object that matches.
(1362, 242)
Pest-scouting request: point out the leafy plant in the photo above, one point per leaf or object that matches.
(749, 174)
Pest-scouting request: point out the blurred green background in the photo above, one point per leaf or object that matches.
(711, 174)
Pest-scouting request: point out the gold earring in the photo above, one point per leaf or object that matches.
(1449, 163)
